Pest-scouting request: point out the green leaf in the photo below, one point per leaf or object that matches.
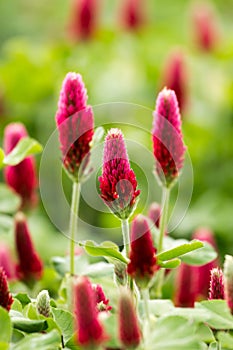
(225, 339)
(201, 256)
(62, 265)
(107, 249)
(65, 321)
(24, 148)
(100, 269)
(180, 250)
(10, 201)
(171, 264)
(5, 327)
(16, 336)
(1, 157)
(16, 306)
(217, 313)
(205, 334)
(23, 298)
(214, 346)
(172, 333)
(6, 223)
(48, 341)
(157, 307)
(26, 325)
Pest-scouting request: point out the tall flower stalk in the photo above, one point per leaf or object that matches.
(75, 122)
(169, 152)
(118, 184)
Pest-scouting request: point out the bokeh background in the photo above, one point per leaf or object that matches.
(130, 65)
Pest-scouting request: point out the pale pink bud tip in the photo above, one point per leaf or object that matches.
(6, 299)
(118, 183)
(168, 142)
(90, 332)
(129, 330)
(216, 284)
(228, 280)
(15, 177)
(142, 265)
(30, 267)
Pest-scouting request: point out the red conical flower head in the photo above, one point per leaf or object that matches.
(184, 295)
(168, 143)
(175, 77)
(90, 332)
(30, 266)
(154, 213)
(15, 177)
(6, 299)
(129, 330)
(75, 122)
(118, 183)
(132, 14)
(142, 265)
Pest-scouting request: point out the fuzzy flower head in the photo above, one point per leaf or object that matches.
(118, 184)
(201, 280)
(101, 300)
(175, 76)
(216, 290)
(129, 330)
(185, 295)
(75, 122)
(83, 19)
(15, 177)
(90, 332)
(168, 142)
(205, 27)
(228, 280)
(6, 261)
(132, 16)
(142, 265)
(6, 299)
(30, 267)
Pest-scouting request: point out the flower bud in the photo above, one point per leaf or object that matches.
(6, 299)
(6, 261)
(118, 183)
(132, 14)
(101, 300)
(216, 290)
(129, 330)
(43, 303)
(154, 213)
(184, 295)
(30, 267)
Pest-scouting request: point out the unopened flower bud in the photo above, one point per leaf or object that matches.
(43, 303)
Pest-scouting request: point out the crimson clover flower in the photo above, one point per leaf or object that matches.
(6, 261)
(101, 300)
(142, 265)
(6, 299)
(118, 184)
(216, 290)
(168, 143)
(175, 76)
(90, 332)
(24, 185)
(129, 330)
(132, 16)
(154, 213)
(30, 266)
(75, 122)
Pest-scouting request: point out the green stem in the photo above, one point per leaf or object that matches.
(163, 220)
(73, 222)
(125, 234)
(163, 226)
(146, 298)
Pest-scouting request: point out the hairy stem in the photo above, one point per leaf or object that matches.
(73, 222)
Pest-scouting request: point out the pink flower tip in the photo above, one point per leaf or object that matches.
(90, 331)
(167, 138)
(142, 265)
(129, 330)
(6, 299)
(118, 184)
(30, 266)
(216, 290)
(15, 177)
(75, 122)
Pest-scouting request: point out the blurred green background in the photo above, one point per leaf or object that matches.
(124, 66)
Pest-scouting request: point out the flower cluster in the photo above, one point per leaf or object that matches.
(118, 184)
(75, 122)
(168, 143)
(6, 299)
